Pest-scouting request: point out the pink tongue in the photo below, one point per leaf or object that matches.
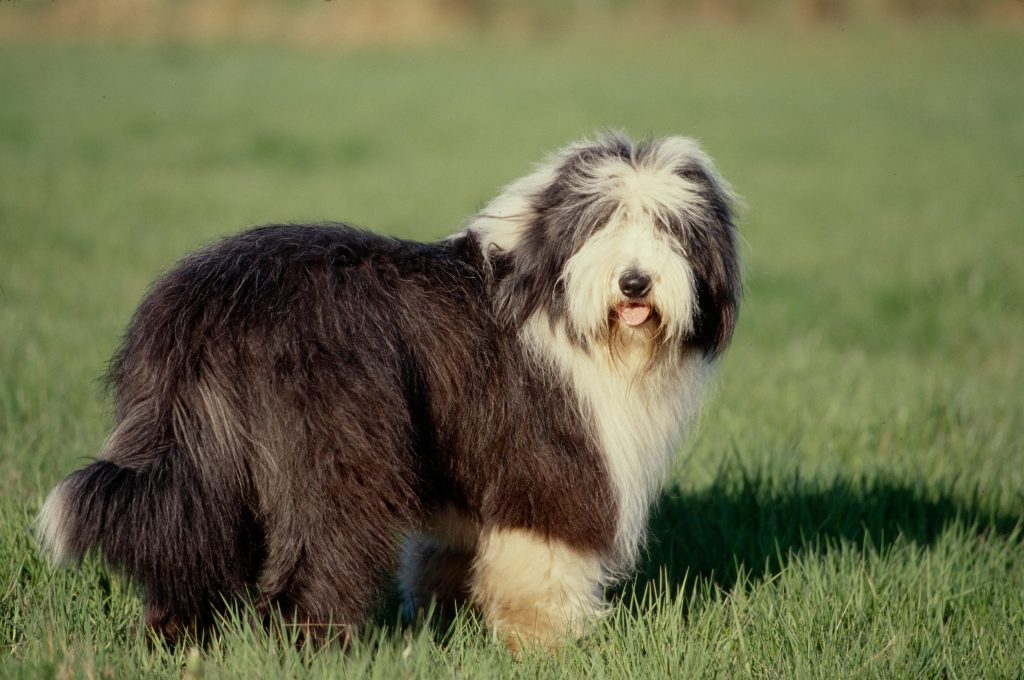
(634, 314)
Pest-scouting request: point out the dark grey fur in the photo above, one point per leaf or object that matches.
(293, 400)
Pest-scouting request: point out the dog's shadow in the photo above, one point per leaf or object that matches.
(746, 526)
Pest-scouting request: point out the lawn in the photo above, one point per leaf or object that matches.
(852, 503)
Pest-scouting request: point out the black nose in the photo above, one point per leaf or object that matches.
(634, 284)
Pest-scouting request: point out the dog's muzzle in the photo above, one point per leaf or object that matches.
(634, 285)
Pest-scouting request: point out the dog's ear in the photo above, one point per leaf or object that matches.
(525, 278)
(560, 215)
(513, 288)
(712, 252)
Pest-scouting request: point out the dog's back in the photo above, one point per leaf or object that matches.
(268, 415)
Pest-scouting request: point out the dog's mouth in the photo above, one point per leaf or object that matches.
(634, 313)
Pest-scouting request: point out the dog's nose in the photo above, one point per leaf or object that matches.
(634, 284)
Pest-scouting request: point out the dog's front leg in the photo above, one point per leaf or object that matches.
(535, 590)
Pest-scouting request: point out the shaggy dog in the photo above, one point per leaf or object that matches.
(295, 401)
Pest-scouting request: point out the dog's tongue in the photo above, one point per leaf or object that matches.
(634, 313)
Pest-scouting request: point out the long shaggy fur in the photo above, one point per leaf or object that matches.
(295, 401)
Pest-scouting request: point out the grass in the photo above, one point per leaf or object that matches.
(852, 503)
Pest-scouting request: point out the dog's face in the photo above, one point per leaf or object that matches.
(620, 245)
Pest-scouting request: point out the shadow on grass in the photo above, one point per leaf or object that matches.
(746, 524)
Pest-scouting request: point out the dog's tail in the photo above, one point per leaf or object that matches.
(184, 532)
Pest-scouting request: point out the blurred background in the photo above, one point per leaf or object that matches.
(397, 22)
(879, 146)
(872, 396)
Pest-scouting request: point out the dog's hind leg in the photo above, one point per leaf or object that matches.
(329, 551)
(437, 565)
(323, 586)
(434, 575)
(534, 589)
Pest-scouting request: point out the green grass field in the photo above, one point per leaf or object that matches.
(852, 504)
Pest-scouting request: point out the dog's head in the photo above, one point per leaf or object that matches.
(618, 244)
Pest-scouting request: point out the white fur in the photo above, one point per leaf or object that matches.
(653, 189)
(501, 223)
(533, 589)
(51, 526)
(631, 241)
(639, 408)
(639, 421)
